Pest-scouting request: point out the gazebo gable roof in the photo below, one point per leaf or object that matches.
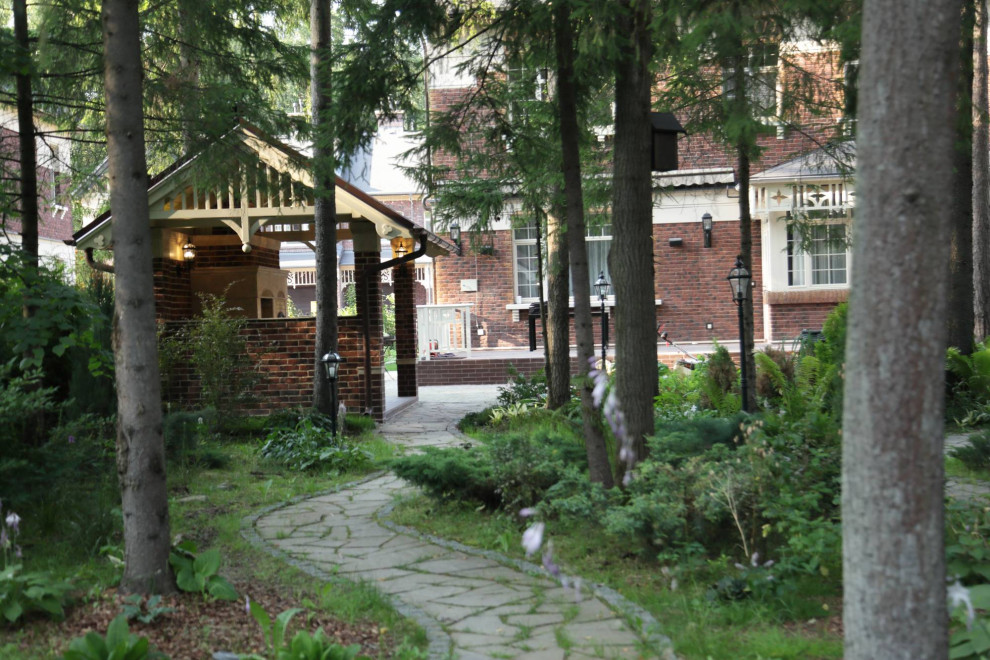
(261, 185)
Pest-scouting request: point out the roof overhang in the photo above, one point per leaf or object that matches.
(176, 203)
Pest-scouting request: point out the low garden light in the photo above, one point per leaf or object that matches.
(739, 280)
(331, 368)
(602, 287)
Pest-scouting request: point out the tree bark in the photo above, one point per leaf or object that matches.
(631, 256)
(961, 286)
(981, 178)
(140, 448)
(557, 315)
(594, 437)
(324, 210)
(892, 462)
(28, 174)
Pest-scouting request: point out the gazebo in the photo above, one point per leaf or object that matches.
(218, 220)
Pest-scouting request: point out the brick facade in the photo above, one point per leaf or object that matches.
(690, 280)
(406, 347)
(282, 352)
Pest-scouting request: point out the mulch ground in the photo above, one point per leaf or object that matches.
(197, 627)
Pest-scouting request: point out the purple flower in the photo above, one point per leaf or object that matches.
(72, 439)
(13, 521)
(548, 564)
(532, 538)
(527, 512)
(247, 604)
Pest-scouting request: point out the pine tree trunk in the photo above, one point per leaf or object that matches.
(140, 448)
(981, 179)
(631, 256)
(961, 285)
(557, 315)
(747, 360)
(892, 463)
(324, 208)
(594, 438)
(28, 173)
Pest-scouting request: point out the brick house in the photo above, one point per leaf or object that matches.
(54, 206)
(801, 202)
(218, 221)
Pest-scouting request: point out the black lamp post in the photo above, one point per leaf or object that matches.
(331, 365)
(601, 286)
(455, 236)
(706, 227)
(739, 279)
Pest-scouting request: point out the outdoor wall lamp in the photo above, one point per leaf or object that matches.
(331, 367)
(739, 280)
(189, 251)
(602, 286)
(706, 227)
(455, 236)
(400, 250)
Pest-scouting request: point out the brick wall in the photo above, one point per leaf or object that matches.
(173, 299)
(495, 290)
(283, 352)
(405, 329)
(691, 281)
(229, 256)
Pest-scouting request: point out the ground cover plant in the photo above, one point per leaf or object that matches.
(69, 544)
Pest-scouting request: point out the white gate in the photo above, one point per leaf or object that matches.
(444, 331)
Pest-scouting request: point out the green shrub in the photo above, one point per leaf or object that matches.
(718, 382)
(521, 389)
(774, 373)
(218, 353)
(310, 446)
(976, 454)
(451, 474)
(476, 420)
(526, 463)
(678, 440)
(358, 424)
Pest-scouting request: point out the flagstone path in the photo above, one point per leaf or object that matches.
(473, 604)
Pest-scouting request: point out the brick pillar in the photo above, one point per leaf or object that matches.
(404, 282)
(173, 300)
(367, 252)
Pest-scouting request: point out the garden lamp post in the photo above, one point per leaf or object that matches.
(739, 279)
(601, 286)
(331, 365)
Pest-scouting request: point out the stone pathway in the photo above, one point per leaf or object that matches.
(961, 489)
(474, 604)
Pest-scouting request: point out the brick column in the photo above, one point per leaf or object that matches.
(404, 281)
(367, 252)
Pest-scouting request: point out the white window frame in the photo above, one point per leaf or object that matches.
(593, 234)
(754, 75)
(801, 264)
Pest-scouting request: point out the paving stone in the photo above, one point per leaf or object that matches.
(489, 610)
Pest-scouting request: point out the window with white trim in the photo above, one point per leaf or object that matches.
(819, 257)
(598, 241)
(760, 80)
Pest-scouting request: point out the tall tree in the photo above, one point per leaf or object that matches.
(981, 178)
(558, 341)
(28, 166)
(324, 212)
(892, 464)
(140, 448)
(567, 104)
(961, 284)
(631, 257)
